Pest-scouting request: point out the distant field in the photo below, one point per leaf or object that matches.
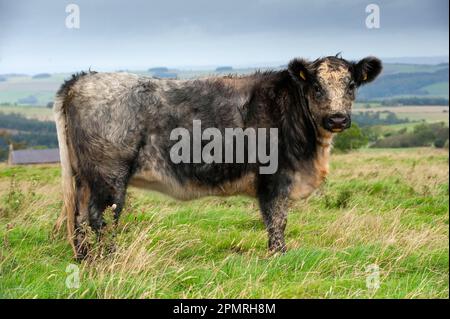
(383, 129)
(391, 68)
(382, 217)
(437, 89)
(42, 97)
(415, 113)
(16, 88)
(31, 112)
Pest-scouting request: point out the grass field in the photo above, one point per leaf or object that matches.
(380, 209)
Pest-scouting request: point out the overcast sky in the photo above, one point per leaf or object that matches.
(136, 34)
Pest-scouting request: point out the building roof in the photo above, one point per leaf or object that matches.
(35, 156)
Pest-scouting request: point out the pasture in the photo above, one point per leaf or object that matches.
(30, 112)
(382, 217)
(429, 113)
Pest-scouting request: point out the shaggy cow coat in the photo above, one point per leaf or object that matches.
(114, 131)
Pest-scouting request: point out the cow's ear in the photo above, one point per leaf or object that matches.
(367, 70)
(300, 70)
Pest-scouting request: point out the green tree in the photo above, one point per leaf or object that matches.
(350, 139)
(439, 143)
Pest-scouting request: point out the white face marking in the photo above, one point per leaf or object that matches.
(334, 79)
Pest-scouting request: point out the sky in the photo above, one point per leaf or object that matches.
(136, 34)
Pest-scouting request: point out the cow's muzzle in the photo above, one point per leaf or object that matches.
(337, 122)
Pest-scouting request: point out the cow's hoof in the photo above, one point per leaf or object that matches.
(278, 249)
(81, 252)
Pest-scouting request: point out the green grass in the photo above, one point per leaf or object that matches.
(387, 208)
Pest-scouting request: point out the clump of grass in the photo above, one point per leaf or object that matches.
(339, 200)
(343, 198)
(12, 201)
(102, 244)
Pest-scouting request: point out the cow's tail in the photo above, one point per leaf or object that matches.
(67, 174)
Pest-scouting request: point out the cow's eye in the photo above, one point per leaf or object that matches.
(317, 91)
(351, 87)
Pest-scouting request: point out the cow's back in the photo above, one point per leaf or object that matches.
(102, 121)
(101, 102)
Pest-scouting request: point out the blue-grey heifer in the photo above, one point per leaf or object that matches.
(114, 131)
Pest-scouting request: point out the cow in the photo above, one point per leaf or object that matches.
(115, 130)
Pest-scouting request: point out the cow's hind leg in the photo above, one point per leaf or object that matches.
(106, 195)
(81, 222)
(94, 196)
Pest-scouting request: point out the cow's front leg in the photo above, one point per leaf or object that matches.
(273, 197)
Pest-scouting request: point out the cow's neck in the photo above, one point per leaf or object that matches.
(324, 138)
(322, 160)
(305, 181)
(298, 128)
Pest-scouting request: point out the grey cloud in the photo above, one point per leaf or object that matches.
(207, 32)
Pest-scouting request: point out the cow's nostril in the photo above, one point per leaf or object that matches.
(337, 120)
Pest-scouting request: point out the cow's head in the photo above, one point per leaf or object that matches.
(330, 84)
